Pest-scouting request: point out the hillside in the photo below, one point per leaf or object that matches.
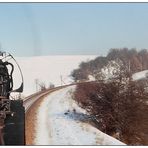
(118, 97)
(47, 69)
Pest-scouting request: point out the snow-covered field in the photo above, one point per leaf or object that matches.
(59, 123)
(47, 69)
(51, 69)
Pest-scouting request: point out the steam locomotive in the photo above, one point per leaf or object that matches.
(12, 112)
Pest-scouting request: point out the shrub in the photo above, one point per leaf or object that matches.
(118, 109)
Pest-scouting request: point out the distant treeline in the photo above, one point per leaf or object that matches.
(136, 60)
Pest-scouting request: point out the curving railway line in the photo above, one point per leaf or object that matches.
(31, 105)
(29, 101)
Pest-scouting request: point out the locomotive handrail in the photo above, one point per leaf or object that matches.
(20, 89)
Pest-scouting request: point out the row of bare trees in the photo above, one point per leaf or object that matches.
(135, 60)
(41, 86)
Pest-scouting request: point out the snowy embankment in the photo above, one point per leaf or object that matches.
(59, 122)
(47, 69)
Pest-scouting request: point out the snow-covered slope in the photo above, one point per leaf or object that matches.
(59, 122)
(47, 69)
(140, 75)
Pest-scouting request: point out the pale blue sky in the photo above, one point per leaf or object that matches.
(28, 29)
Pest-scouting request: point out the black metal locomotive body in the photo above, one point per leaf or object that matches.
(12, 113)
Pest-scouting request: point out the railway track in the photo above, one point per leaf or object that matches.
(27, 103)
(30, 100)
(31, 105)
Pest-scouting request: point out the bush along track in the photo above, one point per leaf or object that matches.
(117, 109)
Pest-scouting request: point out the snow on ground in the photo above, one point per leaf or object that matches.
(140, 75)
(59, 123)
(112, 68)
(47, 69)
(91, 78)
